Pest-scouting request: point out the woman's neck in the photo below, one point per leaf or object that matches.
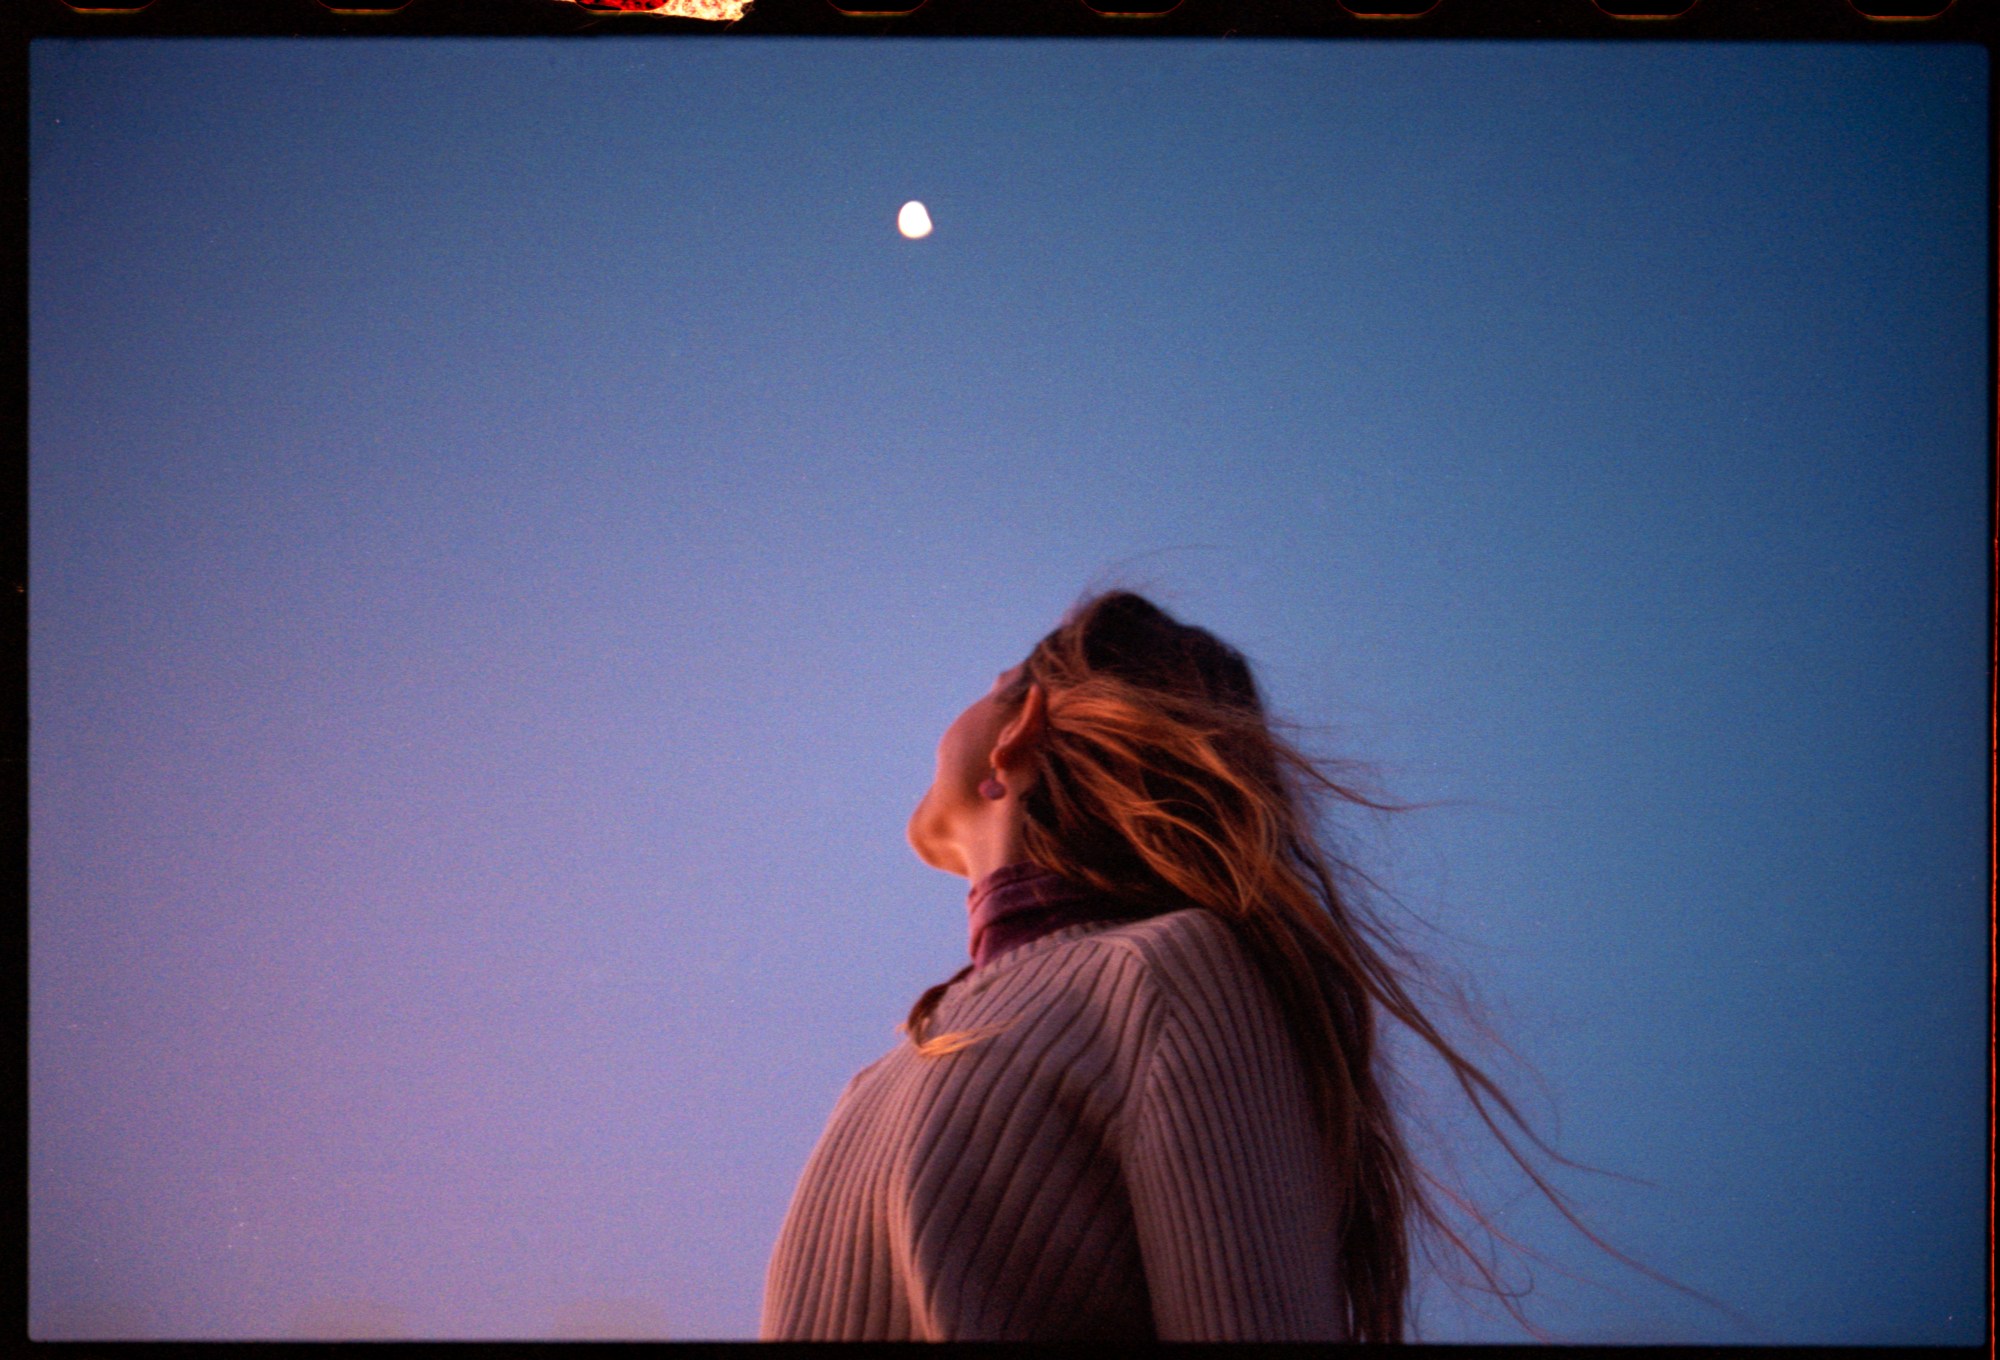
(992, 842)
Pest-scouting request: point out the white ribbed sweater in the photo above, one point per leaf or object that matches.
(1134, 1157)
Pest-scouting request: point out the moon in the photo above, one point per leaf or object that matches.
(913, 221)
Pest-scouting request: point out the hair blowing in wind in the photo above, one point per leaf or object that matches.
(1162, 783)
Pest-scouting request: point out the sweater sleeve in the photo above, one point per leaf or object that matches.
(1232, 1199)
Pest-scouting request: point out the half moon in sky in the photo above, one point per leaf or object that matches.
(913, 221)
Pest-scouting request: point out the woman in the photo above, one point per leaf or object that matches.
(1159, 1110)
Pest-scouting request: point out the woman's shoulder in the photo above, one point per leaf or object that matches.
(1173, 932)
(1185, 967)
(1191, 948)
(1204, 980)
(1184, 951)
(1182, 923)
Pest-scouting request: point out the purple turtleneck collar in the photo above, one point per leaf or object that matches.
(1020, 902)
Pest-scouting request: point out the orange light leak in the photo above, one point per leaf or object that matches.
(717, 11)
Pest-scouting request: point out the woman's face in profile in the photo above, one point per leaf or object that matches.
(953, 802)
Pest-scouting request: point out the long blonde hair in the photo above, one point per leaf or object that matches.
(1161, 783)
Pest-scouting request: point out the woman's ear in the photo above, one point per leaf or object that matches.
(1019, 738)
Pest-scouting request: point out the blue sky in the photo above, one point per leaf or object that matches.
(511, 519)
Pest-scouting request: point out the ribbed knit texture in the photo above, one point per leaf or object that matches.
(1133, 1157)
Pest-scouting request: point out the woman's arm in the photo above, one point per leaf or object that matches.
(1231, 1193)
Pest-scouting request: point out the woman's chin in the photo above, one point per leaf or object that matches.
(933, 850)
(921, 844)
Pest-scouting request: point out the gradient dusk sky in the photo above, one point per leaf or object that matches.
(511, 520)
